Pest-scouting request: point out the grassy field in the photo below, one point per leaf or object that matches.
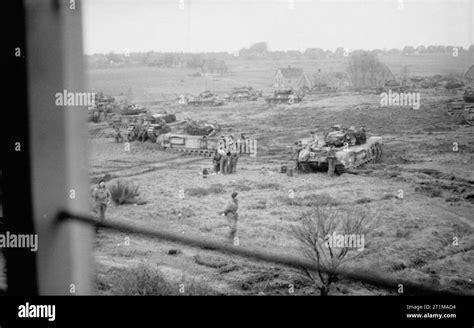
(410, 238)
(151, 83)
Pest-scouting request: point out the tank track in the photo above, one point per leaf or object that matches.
(374, 154)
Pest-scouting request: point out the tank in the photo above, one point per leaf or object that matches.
(206, 98)
(133, 131)
(156, 129)
(350, 148)
(453, 84)
(320, 88)
(286, 96)
(244, 94)
(201, 145)
(200, 138)
(468, 95)
(463, 109)
(201, 128)
(392, 85)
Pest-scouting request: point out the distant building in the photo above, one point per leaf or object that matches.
(291, 78)
(469, 75)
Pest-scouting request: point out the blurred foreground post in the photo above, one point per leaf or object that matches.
(58, 146)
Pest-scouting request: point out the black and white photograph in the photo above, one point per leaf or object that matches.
(240, 148)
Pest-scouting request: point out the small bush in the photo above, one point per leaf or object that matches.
(260, 205)
(201, 192)
(388, 196)
(124, 193)
(402, 234)
(363, 200)
(143, 280)
(428, 190)
(268, 185)
(243, 185)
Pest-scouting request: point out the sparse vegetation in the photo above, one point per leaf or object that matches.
(124, 193)
(429, 190)
(268, 185)
(363, 200)
(402, 233)
(260, 205)
(310, 200)
(313, 234)
(202, 192)
(143, 280)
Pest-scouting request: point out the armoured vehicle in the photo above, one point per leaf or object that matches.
(285, 96)
(201, 128)
(429, 84)
(319, 89)
(154, 130)
(165, 116)
(244, 94)
(206, 98)
(349, 146)
(453, 84)
(392, 85)
(468, 95)
(149, 126)
(102, 105)
(463, 108)
(202, 145)
(200, 138)
(135, 131)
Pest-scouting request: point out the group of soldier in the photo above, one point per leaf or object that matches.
(225, 160)
(226, 156)
(138, 131)
(103, 198)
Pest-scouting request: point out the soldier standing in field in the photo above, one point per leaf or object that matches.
(102, 197)
(223, 152)
(231, 215)
(216, 160)
(231, 149)
(118, 135)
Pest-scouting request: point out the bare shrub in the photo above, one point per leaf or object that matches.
(142, 280)
(124, 193)
(313, 234)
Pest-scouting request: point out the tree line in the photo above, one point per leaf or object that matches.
(215, 61)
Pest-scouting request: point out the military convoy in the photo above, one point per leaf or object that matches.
(284, 96)
(348, 147)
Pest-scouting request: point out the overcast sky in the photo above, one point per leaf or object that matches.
(229, 25)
